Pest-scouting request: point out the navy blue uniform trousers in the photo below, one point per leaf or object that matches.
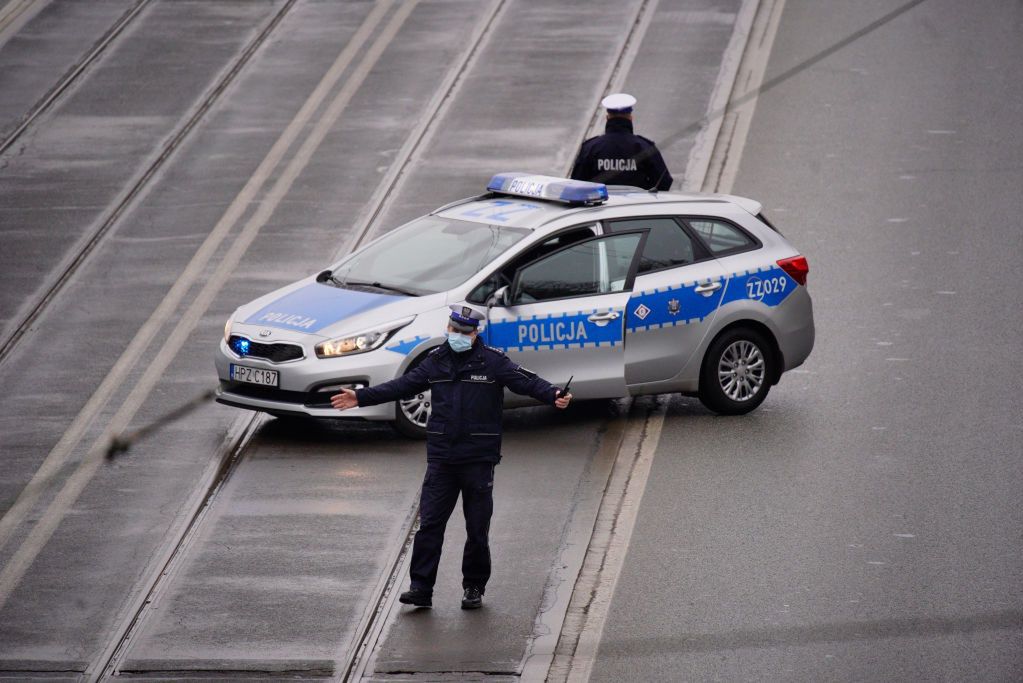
(441, 487)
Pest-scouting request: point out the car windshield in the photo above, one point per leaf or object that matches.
(429, 255)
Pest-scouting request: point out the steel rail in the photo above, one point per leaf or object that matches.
(358, 659)
(72, 74)
(174, 552)
(72, 263)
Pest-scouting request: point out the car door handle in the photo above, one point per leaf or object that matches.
(708, 288)
(602, 319)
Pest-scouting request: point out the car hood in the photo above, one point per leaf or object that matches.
(314, 308)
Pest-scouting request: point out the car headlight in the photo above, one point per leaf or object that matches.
(359, 343)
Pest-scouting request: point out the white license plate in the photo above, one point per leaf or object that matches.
(240, 373)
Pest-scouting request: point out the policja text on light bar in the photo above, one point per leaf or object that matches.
(549, 188)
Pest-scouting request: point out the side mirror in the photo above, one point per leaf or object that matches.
(324, 276)
(499, 297)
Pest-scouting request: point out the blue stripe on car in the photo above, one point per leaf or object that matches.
(405, 347)
(570, 330)
(770, 286)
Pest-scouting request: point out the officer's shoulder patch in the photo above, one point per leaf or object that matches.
(525, 372)
(435, 349)
(499, 352)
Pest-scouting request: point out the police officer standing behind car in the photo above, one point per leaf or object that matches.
(463, 444)
(619, 156)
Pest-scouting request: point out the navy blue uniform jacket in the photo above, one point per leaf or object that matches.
(467, 397)
(620, 157)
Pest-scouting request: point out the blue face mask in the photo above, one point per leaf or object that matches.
(459, 342)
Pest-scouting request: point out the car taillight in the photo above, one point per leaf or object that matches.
(796, 267)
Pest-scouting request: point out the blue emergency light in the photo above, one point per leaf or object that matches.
(240, 346)
(548, 187)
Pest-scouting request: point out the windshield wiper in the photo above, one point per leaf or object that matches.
(377, 285)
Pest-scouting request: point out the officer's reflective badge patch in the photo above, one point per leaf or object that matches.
(526, 372)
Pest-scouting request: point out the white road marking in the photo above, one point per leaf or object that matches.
(703, 146)
(608, 548)
(613, 532)
(22, 559)
(15, 14)
(724, 163)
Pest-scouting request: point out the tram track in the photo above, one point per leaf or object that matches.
(135, 186)
(359, 658)
(352, 663)
(71, 75)
(352, 660)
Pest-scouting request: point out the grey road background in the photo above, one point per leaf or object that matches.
(864, 524)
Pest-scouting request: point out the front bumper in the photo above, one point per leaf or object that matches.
(306, 385)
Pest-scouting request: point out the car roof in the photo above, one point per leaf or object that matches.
(521, 212)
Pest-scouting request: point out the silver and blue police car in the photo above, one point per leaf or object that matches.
(631, 292)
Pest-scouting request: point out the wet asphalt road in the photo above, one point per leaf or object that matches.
(866, 523)
(284, 565)
(847, 530)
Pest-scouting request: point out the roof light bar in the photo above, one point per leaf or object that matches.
(548, 187)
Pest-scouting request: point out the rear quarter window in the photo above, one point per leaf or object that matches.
(722, 238)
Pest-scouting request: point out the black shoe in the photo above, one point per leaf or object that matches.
(472, 598)
(417, 597)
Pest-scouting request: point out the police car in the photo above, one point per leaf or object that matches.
(631, 292)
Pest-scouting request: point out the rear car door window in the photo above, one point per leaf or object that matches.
(667, 245)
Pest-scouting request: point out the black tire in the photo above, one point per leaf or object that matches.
(403, 420)
(737, 372)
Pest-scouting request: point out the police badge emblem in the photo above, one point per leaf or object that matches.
(674, 306)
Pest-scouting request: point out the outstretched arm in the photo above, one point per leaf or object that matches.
(412, 382)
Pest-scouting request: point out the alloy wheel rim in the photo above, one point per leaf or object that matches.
(417, 409)
(741, 370)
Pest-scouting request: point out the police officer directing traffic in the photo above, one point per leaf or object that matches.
(619, 156)
(463, 445)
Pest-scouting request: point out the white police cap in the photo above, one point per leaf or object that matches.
(465, 318)
(619, 102)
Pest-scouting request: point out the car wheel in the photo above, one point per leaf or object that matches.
(736, 373)
(412, 414)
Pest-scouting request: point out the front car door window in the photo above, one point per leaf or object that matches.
(567, 314)
(600, 266)
(504, 275)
